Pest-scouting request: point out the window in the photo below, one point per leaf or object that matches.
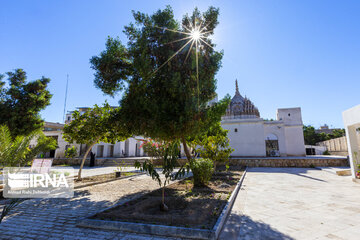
(69, 118)
(289, 114)
(235, 129)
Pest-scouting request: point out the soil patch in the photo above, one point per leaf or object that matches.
(86, 181)
(189, 206)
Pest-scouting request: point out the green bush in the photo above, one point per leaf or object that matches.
(326, 152)
(202, 170)
(71, 152)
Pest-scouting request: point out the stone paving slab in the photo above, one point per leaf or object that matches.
(56, 218)
(93, 171)
(295, 203)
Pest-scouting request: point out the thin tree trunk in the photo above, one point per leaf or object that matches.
(186, 149)
(163, 195)
(84, 158)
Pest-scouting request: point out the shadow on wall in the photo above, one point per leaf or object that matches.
(243, 227)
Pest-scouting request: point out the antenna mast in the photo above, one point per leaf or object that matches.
(67, 82)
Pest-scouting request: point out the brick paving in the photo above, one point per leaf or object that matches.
(56, 218)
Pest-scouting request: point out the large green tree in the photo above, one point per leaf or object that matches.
(93, 126)
(168, 80)
(21, 102)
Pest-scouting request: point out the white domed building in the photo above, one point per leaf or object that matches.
(252, 136)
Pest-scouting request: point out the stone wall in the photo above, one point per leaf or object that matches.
(250, 162)
(290, 162)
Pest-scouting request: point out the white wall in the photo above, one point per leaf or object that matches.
(295, 144)
(249, 138)
(60, 151)
(351, 118)
(290, 116)
(294, 134)
(277, 128)
(119, 148)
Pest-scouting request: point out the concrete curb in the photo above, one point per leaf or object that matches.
(225, 212)
(169, 231)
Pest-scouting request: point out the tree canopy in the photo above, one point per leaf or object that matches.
(168, 81)
(21, 102)
(311, 137)
(93, 126)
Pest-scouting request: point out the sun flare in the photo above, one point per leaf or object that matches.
(195, 35)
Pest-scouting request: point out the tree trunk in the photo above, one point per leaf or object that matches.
(163, 206)
(84, 158)
(163, 195)
(186, 149)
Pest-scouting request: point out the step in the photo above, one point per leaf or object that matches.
(346, 172)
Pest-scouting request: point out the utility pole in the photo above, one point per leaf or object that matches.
(66, 90)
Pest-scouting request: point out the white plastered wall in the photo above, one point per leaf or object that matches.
(276, 128)
(249, 139)
(351, 118)
(293, 129)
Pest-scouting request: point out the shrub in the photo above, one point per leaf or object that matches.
(214, 145)
(326, 152)
(168, 153)
(202, 170)
(71, 152)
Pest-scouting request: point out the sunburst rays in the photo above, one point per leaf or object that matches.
(195, 35)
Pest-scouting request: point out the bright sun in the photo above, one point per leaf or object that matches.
(195, 35)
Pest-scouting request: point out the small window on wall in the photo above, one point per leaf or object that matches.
(289, 114)
(235, 129)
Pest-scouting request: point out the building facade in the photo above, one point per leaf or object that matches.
(252, 136)
(249, 134)
(128, 148)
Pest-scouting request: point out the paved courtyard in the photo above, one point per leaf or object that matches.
(295, 203)
(273, 203)
(55, 218)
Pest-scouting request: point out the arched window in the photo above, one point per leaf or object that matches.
(235, 129)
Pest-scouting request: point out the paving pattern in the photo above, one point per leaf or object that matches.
(273, 203)
(55, 218)
(295, 203)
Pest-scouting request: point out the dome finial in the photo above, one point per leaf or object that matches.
(237, 88)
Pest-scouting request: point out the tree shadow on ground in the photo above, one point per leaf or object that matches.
(243, 227)
(294, 171)
(76, 208)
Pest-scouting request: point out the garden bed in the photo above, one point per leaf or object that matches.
(194, 212)
(103, 178)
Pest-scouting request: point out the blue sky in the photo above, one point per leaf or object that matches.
(283, 53)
